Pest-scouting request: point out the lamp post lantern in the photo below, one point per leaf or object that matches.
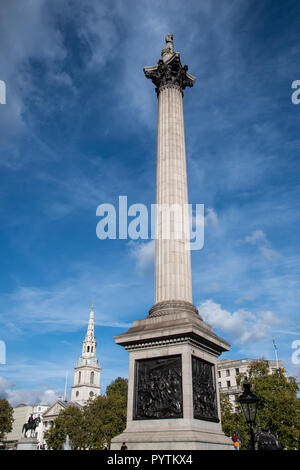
(249, 402)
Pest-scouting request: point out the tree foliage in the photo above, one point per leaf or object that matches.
(106, 415)
(279, 408)
(6, 418)
(233, 421)
(69, 422)
(95, 424)
(228, 417)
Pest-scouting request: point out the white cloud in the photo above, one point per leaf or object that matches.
(28, 397)
(242, 325)
(144, 254)
(32, 397)
(97, 27)
(269, 254)
(211, 218)
(258, 238)
(4, 386)
(26, 33)
(35, 35)
(63, 306)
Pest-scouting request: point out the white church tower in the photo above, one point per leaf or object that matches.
(87, 369)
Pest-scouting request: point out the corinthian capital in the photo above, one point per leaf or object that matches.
(169, 70)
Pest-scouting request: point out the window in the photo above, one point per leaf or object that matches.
(227, 372)
(77, 394)
(88, 349)
(228, 383)
(219, 374)
(92, 378)
(91, 394)
(220, 385)
(79, 377)
(237, 370)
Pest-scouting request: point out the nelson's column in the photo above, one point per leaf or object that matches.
(173, 401)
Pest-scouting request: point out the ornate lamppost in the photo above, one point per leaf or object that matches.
(249, 402)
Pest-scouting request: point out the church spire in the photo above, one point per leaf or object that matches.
(87, 370)
(90, 334)
(89, 344)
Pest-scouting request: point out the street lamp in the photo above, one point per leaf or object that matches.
(249, 402)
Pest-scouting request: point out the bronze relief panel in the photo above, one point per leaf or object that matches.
(204, 390)
(158, 388)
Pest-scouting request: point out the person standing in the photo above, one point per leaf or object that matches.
(236, 442)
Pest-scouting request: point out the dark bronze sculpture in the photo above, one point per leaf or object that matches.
(204, 390)
(31, 425)
(158, 388)
(172, 73)
(169, 70)
(264, 439)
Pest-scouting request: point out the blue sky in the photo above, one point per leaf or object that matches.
(79, 129)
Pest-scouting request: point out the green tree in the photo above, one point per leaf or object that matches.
(117, 407)
(56, 435)
(95, 424)
(6, 418)
(106, 415)
(233, 420)
(71, 422)
(278, 410)
(229, 421)
(95, 415)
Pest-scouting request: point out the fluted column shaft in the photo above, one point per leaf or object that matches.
(173, 278)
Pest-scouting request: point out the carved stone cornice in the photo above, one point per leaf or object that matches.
(192, 340)
(178, 327)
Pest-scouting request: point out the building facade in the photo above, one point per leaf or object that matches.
(39, 410)
(21, 413)
(228, 370)
(87, 369)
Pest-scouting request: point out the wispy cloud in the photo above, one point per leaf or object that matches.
(28, 397)
(259, 239)
(143, 253)
(241, 325)
(27, 34)
(62, 307)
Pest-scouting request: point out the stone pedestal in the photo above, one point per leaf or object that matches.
(27, 443)
(173, 400)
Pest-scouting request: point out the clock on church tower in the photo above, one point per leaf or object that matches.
(87, 369)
